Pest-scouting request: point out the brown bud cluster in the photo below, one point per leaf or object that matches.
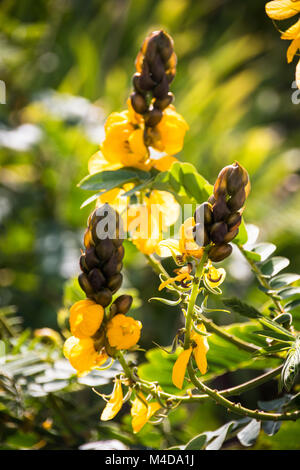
(156, 68)
(101, 262)
(219, 218)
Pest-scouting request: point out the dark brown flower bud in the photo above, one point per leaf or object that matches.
(115, 282)
(85, 284)
(211, 200)
(110, 267)
(122, 304)
(104, 249)
(103, 297)
(231, 235)
(237, 201)
(153, 117)
(164, 102)
(234, 220)
(220, 209)
(82, 264)
(136, 83)
(200, 235)
(151, 50)
(165, 45)
(120, 253)
(219, 252)
(203, 214)
(138, 103)
(145, 81)
(218, 232)
(157, 69)
(237, 178)
(220, 187)
(91, 258)
(97, 280)
(161, 90)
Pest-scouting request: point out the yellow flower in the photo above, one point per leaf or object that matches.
(168, 135)
(115, 403)
(123, 332)
(199, 349)
(147, 222)
(142, 412)
(163, 163)
(183, 275)
(214, 277)
(184, 247)
(85, 318)
(82, 354)
(281, 10)
(180, 366)
(124, 143)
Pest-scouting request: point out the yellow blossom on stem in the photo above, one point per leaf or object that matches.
(184, 247)
(168, 135)
(115, 403)
(199, 347)
(123, 332)
(141, 412)
(183, 275)
(85, 318)
(214, 277)
(146, 222)
(82, 354)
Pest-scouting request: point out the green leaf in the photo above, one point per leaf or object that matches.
(112, 179)
(289, 292)
(274, 265)
(274, 335)
(274, 326)
(184, 182)
(251, 255)
(249, 434)
(197, 443)
(283, 280)
(171, 303)
(242, 308)
(291, 305)
(291, 367)
(264, 250)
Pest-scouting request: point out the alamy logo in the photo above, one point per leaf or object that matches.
(2, 92)
(296, 94)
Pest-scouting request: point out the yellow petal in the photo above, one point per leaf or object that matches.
(136, 142)
(292, 49)
(215, 276)
(141, 413)
(293, 32)
(115, 403)
(201, 349)
(164, 163)
(282, 9)
(167, 248)
(97, 163)
(180, 366)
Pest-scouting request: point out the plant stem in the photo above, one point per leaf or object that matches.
(156, 265)
(211, 326)
(237, 407)
(193, 298)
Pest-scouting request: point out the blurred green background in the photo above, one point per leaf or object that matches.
(66, 65)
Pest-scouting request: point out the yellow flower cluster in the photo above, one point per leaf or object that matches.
(141, 410)
(124, 142)
(85, 349)
(281, 10)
